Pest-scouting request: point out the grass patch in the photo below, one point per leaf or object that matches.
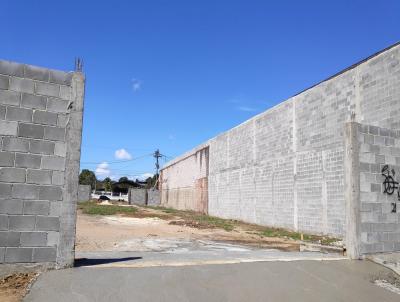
(271, 232)
(276, 232)
(93, 208)
(197, 220)
(214, 222)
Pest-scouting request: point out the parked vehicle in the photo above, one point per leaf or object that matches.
(103, 197)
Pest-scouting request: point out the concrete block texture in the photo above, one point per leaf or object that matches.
(137, 196)
(36, 207)
(31, 130)
(18, 255)
(11, 206)
(57, 105)
(22, 223)
(11, 68)
(45, 118)
(47, 89)
(54, 133)
(37, 73)
(40, 177)
(15, 144)
(8, 128)
(25, 160)
(7, 159)
(47, 223)
(5, 190)
(50, 193)
(2, 112)
(22, 85)
(56, 163)
(4, 82)
(60, 77)
(8, 97)
(10, 238)
(40, 136)
(19, 114)
(12, 175)
(41, 147)
(33, 101)
(33, 239)
(286, 167)
(3, 222)
(380, 231)
(44, 254)
(25, 191)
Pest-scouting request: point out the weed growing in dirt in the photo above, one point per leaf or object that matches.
(93, 208)
(276, 232)
(197, 220)
(227, 225)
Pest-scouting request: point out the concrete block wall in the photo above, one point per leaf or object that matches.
(184, 184)
(153, 197)
(84, 193)
(377, 204)
(137, 196)
(285, 167)
(40, 136)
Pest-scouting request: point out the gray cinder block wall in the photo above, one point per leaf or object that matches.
(285, 167)
(184, 184)
(137, 196)
(153, 197)
(373, 194)
(40, 139)
(84, 193)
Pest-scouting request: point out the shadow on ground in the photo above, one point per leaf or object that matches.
(96, 261)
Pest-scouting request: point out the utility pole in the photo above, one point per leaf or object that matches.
(157, 155)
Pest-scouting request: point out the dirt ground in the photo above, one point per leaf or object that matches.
(152, 229)
(14, 287)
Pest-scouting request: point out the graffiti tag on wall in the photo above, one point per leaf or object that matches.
(390, 185)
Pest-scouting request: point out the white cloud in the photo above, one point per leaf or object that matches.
(114, 177)
(245, 108)
(122, 154)
(103, 170)
(136, 85)
(171, 137)
(144, 176)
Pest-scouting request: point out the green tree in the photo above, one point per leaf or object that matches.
(87, 177)
(124, 179)
(151, 181)
(107, 182)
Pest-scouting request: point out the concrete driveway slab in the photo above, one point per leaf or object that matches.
(341, 280)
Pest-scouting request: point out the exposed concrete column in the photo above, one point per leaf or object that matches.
(295, 199)
(66, 249)
(357, 98)
(352, 189)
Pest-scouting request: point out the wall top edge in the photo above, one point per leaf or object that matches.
(15, 69)
(351, 67)
(186, 155)
(288, 101)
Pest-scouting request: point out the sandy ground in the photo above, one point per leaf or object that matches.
(119, 233)
(14, 287)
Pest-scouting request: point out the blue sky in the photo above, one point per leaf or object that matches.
(171, 74)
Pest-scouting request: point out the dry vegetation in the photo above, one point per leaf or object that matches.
(197, 220)
(14, 287)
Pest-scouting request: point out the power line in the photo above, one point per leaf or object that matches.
(116, 161)
(112, 148)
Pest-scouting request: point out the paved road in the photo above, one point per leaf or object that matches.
(305, 280)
